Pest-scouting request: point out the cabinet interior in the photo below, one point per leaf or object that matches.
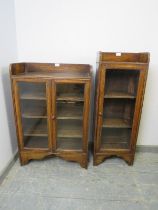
(70, 92)
(70, 110)
(33, 108)
(32, 90)
(115, 138)
(70, 103)
(33, 105)
(118, 108)
(69, 115)
(118, 112)
(35, 142)
(121, 83)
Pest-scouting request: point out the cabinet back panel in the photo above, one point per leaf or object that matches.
(125, 81)
(114, 138)
(117, 108)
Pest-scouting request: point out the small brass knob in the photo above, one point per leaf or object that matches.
(53, 117)
(100, 113)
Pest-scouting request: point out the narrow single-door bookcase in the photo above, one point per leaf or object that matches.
(51, 105)
(120, 86)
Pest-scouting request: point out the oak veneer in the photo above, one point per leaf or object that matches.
(120, 86)
(51, 105)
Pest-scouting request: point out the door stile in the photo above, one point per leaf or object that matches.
(85, 110)
(137, 113)
(100, 107)
(53, 116)
(49, 113)
(18, 115)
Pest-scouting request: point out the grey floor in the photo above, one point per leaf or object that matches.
(60, 185)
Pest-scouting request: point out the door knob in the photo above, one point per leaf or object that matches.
(100, 113)
(53, 117)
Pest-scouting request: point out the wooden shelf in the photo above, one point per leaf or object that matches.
(119, 95)
(70, 97)
(33, 96)
(69, 111)
(110, 146)
(69, 130)
(69, 144)
(116, 123)
(34, 113)
(36, 142)
(36, 131)
(35, 134)
(115, 142)
(115, 138)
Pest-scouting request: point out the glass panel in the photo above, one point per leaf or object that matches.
(70, 92)
(114, 138)
(70, 102)
(121, 83)
(33, 106)
(118, 108)
(118, 113)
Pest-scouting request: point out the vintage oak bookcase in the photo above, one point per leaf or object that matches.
(51, 104)
(120, 86)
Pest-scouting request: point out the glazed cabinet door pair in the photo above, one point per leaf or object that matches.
(119, 103)
(51, 115)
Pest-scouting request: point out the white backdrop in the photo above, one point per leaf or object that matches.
(74, 30)
(8, 54)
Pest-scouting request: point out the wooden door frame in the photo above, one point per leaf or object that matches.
(86, 111)
(138, 103)
(18, 115)
(138, 108)
(99, 111)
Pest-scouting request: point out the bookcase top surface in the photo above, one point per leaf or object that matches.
(50, 70)
(124, 57)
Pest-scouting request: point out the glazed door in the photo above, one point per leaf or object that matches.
(32, 99)
(118, 110)
(70, 118)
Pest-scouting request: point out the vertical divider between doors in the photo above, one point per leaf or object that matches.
(96, 105)
(49, 112)
(53, 115)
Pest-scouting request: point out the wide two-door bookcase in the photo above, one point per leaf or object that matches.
(51, 105)
(120, 86)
